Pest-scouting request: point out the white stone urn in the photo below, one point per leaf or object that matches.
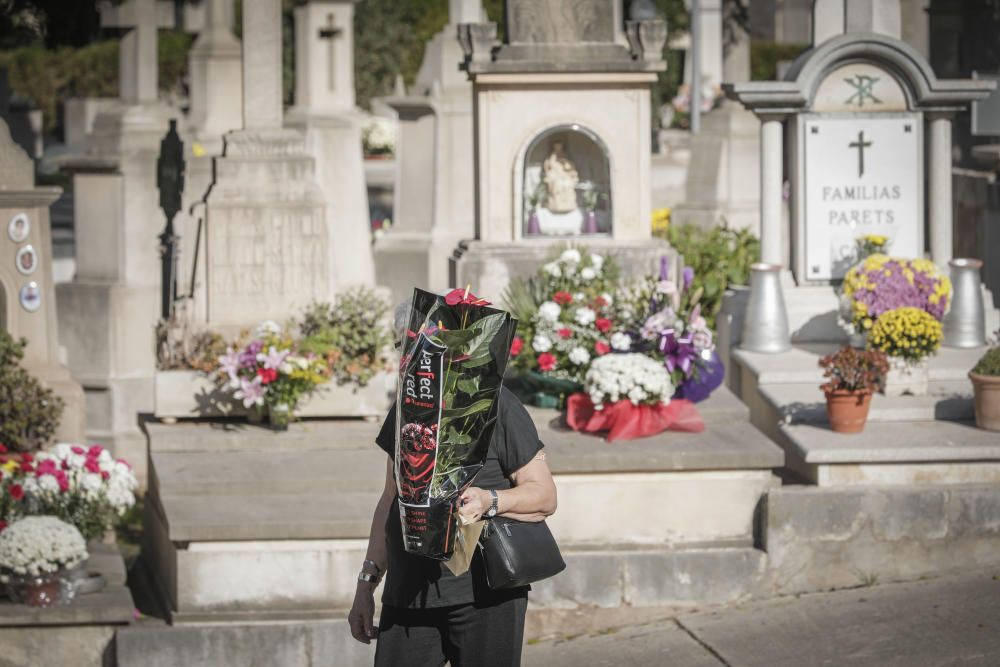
(906, 377)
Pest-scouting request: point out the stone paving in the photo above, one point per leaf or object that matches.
(947, 621)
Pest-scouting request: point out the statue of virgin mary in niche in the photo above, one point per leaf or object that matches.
(561, 178)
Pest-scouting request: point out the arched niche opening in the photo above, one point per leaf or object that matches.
(566, 184)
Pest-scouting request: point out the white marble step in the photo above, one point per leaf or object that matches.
(805, 403)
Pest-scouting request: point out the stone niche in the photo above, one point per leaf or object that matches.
(562, 138)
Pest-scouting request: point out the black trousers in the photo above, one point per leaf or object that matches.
(466, 636)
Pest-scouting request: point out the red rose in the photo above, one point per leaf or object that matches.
(603, 324)
(16, 491)
(602, 348)
(562, 298)
(565, 333)
(546, 361)
(516, 346)
(267, 375)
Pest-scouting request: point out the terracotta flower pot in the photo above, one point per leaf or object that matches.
(987, 401)
(848, 410)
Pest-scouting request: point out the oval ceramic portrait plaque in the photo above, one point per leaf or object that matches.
(18, 228)
(27, 260)
(31, 297)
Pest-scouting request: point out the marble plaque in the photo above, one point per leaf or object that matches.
(560, 21)
(862, 175)
(860, 87)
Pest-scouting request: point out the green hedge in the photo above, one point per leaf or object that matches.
(765, 56)
(48, 77)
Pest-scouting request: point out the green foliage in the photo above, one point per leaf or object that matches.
(989, 363)
(352, 334)
(719, 256)
(48, 77)
(29, 413)
(765, 56)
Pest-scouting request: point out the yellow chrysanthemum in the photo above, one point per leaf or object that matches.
(661, 220)
(911, 333)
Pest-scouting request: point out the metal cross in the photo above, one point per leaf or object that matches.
(863, 85)
(861, 145)
(330, 32)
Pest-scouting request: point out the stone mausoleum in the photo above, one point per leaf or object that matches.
(562, 137)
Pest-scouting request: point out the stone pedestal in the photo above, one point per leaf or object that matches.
(434, 193)
(27, 295)
(489, 267)
(723, 177)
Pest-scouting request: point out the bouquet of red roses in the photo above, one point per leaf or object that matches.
(453, 360)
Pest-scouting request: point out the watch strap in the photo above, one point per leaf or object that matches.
(494, 506)
(369, 578)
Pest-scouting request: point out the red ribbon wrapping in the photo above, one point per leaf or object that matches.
(625, 421)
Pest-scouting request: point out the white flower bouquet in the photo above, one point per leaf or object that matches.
(40, 545)
(635, 377)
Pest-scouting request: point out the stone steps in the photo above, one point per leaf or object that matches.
(806, 404)
(237, 435)
(310, 471)
(295, 516)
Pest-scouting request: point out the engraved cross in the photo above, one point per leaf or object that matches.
(330, 32)
(861, 145)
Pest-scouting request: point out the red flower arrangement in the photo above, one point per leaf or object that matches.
(562, 297)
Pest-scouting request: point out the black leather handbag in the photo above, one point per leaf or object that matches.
(518, 553)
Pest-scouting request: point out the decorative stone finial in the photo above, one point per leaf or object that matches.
(478, 41)
(646, 39)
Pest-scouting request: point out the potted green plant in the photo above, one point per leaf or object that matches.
(852, 377)
(985, 378)
(29, 412)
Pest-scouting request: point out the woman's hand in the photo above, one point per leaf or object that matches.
(474, 503)
(362, 616)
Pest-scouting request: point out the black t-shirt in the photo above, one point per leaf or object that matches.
(418, 582)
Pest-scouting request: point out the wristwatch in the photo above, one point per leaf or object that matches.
(370, 578)
(492, 511)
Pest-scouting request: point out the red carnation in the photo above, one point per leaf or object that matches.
(602, 348)
(27, 468)
(562, 297)
(603, 324)
(92, 466)
(516, 346)
(105, 474)
(16, 491)
(95, 450)
(565, 333)
(27, 458)
(78, 450)
(267, 375)
(546, 361)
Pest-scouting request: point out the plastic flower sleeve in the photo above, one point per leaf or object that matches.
(454, 354)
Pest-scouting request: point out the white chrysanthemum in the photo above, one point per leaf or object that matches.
(40, 544)
(585, 316)
(621, 341)
(588, 273)
(608, 299)
(92, 483)
(48, 484)
(579, 356)
(570, 256)
(549, 311)
(541, 343)
(552, 268)
(635, 377)
(597, 261)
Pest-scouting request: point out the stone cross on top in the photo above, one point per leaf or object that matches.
(137, 60)
(324, 56)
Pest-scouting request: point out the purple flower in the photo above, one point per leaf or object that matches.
(249, 356)
(230, 362)
(273, 358)
(679, 352)
(251, 392)
(664, 268)
(688, 276)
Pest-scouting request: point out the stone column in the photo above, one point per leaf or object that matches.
(214, 63)
(939, 183)
(771, 186)
(465, 11)
(262, 93)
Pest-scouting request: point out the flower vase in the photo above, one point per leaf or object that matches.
(765, 326)
(590, 223)
(44, 590)
(534, 229)
(965, 324)
(906, 378)
(279, 416)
